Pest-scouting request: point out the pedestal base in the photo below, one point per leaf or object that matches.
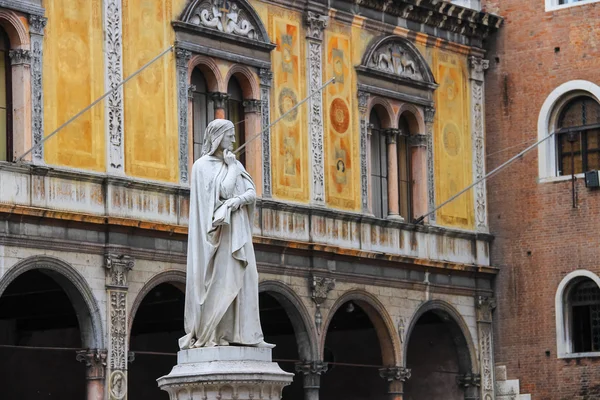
(225, 373)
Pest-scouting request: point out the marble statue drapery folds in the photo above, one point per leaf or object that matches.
(221, 299)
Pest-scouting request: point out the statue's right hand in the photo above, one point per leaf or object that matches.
(229, 158)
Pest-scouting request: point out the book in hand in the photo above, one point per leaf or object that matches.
(222, 215)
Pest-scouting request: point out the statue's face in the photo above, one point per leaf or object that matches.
(228, 140)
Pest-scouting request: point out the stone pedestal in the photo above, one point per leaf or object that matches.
(225, 373)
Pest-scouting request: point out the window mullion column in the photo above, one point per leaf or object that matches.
(392, 166)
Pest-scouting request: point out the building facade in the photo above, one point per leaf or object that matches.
(361, 301)
(543, 82)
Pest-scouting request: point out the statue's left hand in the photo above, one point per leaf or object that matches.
(234, 203)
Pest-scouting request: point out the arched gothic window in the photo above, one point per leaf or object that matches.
(379, 167)
(202, 110)
(584, 307)
(404, 170)
(6, 145)
(235, 113)
(578, 136)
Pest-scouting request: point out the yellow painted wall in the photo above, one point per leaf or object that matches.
(452, 140)
(73, 78)
(150, 118)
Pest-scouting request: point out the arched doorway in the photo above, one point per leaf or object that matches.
(438, 355)
(357, 345)
(155, 332)
(44, 320)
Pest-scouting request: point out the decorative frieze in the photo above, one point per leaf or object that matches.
(20, 57)
(113, 58)
(321, 287)
(393, 58)
(429, 118)
(95, 362)
(266, 77)
(315, 27)
(395, 373)
(182, 58)
(36, 30)
(363, 101)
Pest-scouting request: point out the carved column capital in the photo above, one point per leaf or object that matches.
(252, 106)
(394, 373)
(417, 140)
(311, 367)
(95, 362)
(363, 101)
(37, 24)
(391, 135)
(266, 77)
(469, 380)
(190, 91)
(117, 268)
(315, 25)
(182, 57)
(220, 99)
(478, 66)
(429, 114)
(485, 306)
(20, 56)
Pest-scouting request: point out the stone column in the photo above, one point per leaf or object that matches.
(95, 363)
(113, 61)
(220, 101)
(253, 150)
(36, 31)
(117, 269)
(393, 203)
(478, 66)
(312, 371)
(484, 307)
(395, 376)
(363, 101)
(20, 60)
(429, 118)
(470, 382)
(315, 25)
(182, 61)
(418, 159)
(266, 77)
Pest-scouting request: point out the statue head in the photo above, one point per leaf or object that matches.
(220, 133)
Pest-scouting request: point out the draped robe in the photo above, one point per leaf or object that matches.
(221, 299)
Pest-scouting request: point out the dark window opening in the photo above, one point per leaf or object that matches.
(585, 313)
(6, 142)
(235, 113)
(379, 168)
(202, 110)
(404, 171)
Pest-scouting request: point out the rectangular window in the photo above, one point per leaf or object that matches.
(578, 151)
(552, 5)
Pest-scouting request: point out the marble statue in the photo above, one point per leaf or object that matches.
(221, 297)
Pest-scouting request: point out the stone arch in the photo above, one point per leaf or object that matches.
(211, 72)
(384, 326)
(460, 332)
(76, 288)
(388, 120)
(304, 329)
(14, 27)
(174, 277)
(247, 80)
(415, 118)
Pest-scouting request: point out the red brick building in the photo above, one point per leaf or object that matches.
(543, 82)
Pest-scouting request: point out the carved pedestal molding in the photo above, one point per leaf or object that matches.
(312, 371)
(363, 101)
(316, 25)
(266, 77)
(117, 269)
(113, 58)
(95, 362)
(429, 118)
(182, 60)
(36, 31)
(320, 287)
(477, 68)
(485, 306)
(20, 57)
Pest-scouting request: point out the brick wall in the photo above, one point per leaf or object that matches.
(539, 236)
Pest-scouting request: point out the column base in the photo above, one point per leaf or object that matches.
(225, 373)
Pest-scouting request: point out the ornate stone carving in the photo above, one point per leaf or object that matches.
(36, 29)
(478, 66)
(429, 118)
(478, 154)
(252, 106)
(117, 267)
(311, 367)
(117, 385)
(394, 58)
(401, 329)
(394, 373)
(226, 16)
(190, 89)
(315, 25)
(429, 114)
(485, 307)
(182, 58)
(363, 101)
(113, 58)
(321, 287)
(219, 99)
(20, 56)
(391, 135)
(95, 362)
(266, 77)
(469, 380)
(118, 330)
(418, 140)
